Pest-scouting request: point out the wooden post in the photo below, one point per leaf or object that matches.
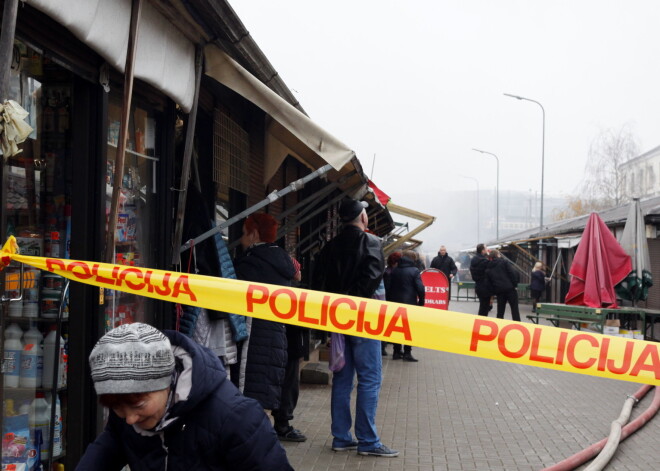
(187, 156)
(136, 9)
(7, 45)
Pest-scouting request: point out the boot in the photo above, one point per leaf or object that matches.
(408, 357)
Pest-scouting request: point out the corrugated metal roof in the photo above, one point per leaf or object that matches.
(612, 217)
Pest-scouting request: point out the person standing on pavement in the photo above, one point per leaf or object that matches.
(478, 266)
(295, 349)
(264, 356)
(504, 280)
(392, 262)
(404, 285)
(353, 263)
(446, 265)
(537, 284)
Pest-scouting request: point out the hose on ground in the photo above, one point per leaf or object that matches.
(614, 438)
(585, 455)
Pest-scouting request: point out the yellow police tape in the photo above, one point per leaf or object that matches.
(465, 334)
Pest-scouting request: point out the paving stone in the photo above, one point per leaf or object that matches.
(441, 414)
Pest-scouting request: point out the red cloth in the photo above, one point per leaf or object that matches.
(600, 264)
(380, 194)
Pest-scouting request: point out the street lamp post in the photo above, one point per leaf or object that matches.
(477, 182)
(497, 194)
(542, 150)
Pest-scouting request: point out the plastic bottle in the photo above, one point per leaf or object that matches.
(32, 359)
(53, 359)
(40, 420)
(12, 358)
(57, 426)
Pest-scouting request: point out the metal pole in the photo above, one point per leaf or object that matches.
(542, 150)
(274, 196)
(497, 194)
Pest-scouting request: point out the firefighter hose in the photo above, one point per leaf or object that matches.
(585, 455)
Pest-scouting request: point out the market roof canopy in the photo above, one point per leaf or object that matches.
(291, 132)
(165, 58)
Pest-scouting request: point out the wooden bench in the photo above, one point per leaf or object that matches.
(465, 287)
(575, 316)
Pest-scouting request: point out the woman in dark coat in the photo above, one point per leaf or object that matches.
(503, 279)
(266, 357)
(404, 285)
(537, 285)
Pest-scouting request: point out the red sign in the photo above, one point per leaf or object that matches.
(436, 286)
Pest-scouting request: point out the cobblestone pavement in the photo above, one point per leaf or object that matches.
(454, 412)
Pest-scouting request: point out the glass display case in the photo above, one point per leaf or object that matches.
(36, 191)
(136, 205)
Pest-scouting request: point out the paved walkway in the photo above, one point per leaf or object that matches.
(453, 412)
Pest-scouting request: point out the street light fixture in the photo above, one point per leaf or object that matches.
(497, 193)
(542, 150)
(477, 182)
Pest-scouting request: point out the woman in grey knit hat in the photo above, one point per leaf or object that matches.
(172, 407)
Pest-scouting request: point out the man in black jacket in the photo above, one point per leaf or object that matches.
(478, 266)
(504, 280)
(404, 285)
(353, 263)
(446, 265)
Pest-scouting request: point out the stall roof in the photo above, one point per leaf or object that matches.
(612, 217)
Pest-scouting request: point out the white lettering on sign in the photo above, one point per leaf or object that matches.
(436, 289)
(435, 301)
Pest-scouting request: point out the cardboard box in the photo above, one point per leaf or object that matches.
(610, 330)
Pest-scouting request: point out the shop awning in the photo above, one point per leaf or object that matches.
(290, 132)
(165, 58)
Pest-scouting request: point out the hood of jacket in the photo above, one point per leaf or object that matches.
(405, 262)
(270, 257)
(194, 383)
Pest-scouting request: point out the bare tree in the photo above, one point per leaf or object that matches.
(577, 206)
(602, 184)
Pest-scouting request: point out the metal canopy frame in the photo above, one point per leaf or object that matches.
(426, 219)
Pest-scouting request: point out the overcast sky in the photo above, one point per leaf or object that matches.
(419, 83)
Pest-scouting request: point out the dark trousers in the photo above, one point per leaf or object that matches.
(484, 303)
(406, 348)
(536, 296)
(510, 297)
(289, 398)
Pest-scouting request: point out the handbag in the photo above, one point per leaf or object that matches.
(337, 345)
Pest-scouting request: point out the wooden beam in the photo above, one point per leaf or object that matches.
(136, 10)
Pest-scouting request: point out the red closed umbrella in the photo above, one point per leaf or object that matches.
(600, 264)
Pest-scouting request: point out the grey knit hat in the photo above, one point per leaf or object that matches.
(132, 358)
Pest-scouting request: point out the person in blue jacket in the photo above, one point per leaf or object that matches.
(173, 408)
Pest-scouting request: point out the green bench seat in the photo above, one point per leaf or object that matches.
(574, 315)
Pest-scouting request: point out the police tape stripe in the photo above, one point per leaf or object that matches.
(466, 334)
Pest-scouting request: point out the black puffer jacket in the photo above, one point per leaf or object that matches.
(352, 263)
(216, 428)
(502, 276)
(404, 285)
(445, 264)
(267, 349)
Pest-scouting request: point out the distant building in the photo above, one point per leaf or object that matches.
(641, 175)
